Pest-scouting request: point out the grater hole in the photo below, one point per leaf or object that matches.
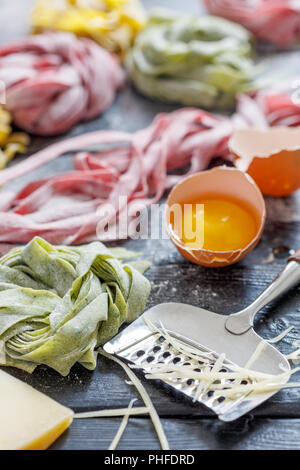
(166, 354)
(190, 382)
(140, 353)
(223, 370)
(197, 370)
(161, 339)
(221, 399)
(150, 358)
(210, 393)
(244, 382)
(176, 360)
(187, 364)
(156, 349)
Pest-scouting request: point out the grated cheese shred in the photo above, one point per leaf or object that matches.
(281, 336)
(146, 399)
(294, 356)
(111, 413)
(225, 380)
(122, 427)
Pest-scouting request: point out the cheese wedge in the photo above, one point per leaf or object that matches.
(29, 420)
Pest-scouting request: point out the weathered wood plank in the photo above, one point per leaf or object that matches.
(192, 434)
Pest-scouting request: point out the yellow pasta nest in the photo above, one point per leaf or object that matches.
(112, 23)
(10, 142)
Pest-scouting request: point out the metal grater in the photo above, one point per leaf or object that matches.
(154, 348)
(211, 333)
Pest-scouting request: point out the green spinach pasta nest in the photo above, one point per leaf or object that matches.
(197, 61)
(57, 304)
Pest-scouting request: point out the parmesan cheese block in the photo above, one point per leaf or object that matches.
(29, 420)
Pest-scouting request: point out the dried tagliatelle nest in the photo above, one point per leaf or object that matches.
(197, 61)
(55, 80)
(58, 303)
(112, 23)
(276, 21)
(11, 142)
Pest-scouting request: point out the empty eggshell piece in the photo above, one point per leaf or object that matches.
(227, 183)
(270, 156)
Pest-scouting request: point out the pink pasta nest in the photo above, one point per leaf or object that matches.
(277, 21)
(55, 80)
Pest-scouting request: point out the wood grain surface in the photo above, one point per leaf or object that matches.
(273, 425)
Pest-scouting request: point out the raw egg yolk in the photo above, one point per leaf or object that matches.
(227, 224)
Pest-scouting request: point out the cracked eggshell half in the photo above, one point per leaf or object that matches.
(271, 156)
(224, 182)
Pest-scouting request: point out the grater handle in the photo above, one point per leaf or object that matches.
(241, 322)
